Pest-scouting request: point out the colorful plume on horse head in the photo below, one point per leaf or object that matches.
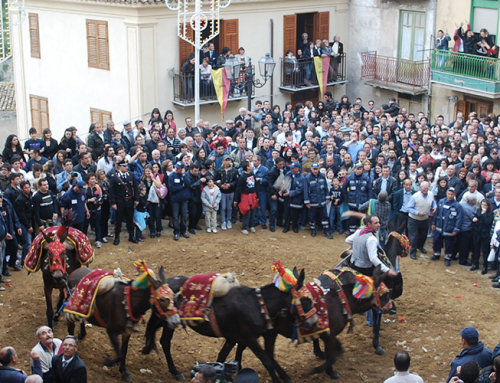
(284, 278)
(142, 281)
(363, 287)
(67, 218)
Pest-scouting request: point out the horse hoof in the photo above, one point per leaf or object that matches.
(146, 350)
(108, 362)
(126, 377)
(334, 375)
(380, 351)
(180, 377)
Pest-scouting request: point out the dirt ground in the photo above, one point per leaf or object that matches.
(437, 302)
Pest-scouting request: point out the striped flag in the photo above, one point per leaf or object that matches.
(222, 86)
(321, 66)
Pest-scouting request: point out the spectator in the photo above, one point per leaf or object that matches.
(8, 372)
(179, 196)
(402, 375)
(211, 197)
(24, 208)
(75, 199)
(420, 206)
(68, 367)
(246, 197)
(46, 348)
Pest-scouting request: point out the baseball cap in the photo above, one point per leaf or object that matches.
(226, 157)
(179, 164)
(315, 165)
(452, 189)
(295, 165)
(125, 123)
(136, 121)
(81, 184)
(469, 333)
(358, 165)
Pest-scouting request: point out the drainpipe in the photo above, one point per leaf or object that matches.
(429, 93)
(272, 55)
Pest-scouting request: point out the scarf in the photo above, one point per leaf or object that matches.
(366, 230)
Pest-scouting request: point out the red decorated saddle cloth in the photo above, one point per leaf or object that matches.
(80, 242)
(323, 325)
(82, 300)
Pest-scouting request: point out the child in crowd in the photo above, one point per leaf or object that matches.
(33, 142)
(335, 218)
(211, 197)
(141, 214)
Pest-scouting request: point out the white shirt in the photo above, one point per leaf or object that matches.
(404, 377)
(371, 245)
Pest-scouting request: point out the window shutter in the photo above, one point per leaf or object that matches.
(100, 116)
(103, 45)
(95, 116)
(229, 33)
(39, 113)
(461, 107)
(322, 26)
(185, 49)
(105, 117)
(34, 35)
(289, 34)
(98, 44)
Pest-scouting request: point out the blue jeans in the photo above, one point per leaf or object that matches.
(26, 235)
(226, 207)
(180, 209)
(309, 69)
(335, 215)
(261, 213)
(275, 213)
(94, 220)
(2, 256)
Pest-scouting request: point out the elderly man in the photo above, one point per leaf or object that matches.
(465, 240)
(46, 348)
(472, 192)
(420, 206)
(10, 374)
(402, 375)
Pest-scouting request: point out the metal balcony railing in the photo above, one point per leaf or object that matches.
(463, 64)
(393, 70)
(301, 73)
(184, 89)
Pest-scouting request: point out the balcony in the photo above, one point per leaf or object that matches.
(300, 75)
(184, 91)
(463, 72)
(404, 76)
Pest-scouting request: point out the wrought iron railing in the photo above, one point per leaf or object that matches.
(486, 68)
(5, 49)
(301, 73)
(394, 70)
(184, 88)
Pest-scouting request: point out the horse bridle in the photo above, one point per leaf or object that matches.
(382, 290)
(58, 263)
(403, 241)
(164, 292)
(302, 293)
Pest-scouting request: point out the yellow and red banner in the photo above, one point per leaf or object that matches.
(321, 66)
(222, 87)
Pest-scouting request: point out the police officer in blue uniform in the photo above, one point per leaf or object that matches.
(356, 191)
(316, 195)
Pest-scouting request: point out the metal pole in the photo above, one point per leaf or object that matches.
(197, 33)
(249, 79)
(272, 55)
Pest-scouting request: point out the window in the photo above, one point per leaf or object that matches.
(316, 25)
(39, 113)
(100, 116)
(98, 44)
(412, 35)
(34, 35)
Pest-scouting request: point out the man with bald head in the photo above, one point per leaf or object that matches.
(420, 206)
(46, 348)
(8, 373)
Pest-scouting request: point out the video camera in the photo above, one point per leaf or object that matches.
(224, 372)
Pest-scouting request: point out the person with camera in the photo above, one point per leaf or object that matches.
(67, 175)
(75, 199)
(206, 374)
(94, 203)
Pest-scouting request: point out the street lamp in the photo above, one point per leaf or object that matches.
(232, 69)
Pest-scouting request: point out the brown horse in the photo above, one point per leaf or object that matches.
(121, 304)
(58, 260)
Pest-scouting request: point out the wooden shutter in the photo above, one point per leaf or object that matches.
(289, 34)
(34, 35)
(100, 116)
(98, 44)
(39, 113)
(322, 26)
(185, 48)
(461, 108)
(229, 35)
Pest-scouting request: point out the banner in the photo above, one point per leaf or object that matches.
(222, 87)
(321, 66)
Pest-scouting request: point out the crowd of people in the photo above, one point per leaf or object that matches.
(303, 165)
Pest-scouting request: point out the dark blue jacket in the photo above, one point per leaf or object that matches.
(261, 173)
(194, 186)
(12, 220)
(357, 189)
(296, 198)
(75, 201)
(479, 353)
(448, 218)
(316, 190)
(178, 187)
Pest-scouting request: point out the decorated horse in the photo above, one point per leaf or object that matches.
(113, 301)
(241, 315)
(58, 251)
(341, 294)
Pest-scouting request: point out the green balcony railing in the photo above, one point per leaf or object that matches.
(462, 64)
